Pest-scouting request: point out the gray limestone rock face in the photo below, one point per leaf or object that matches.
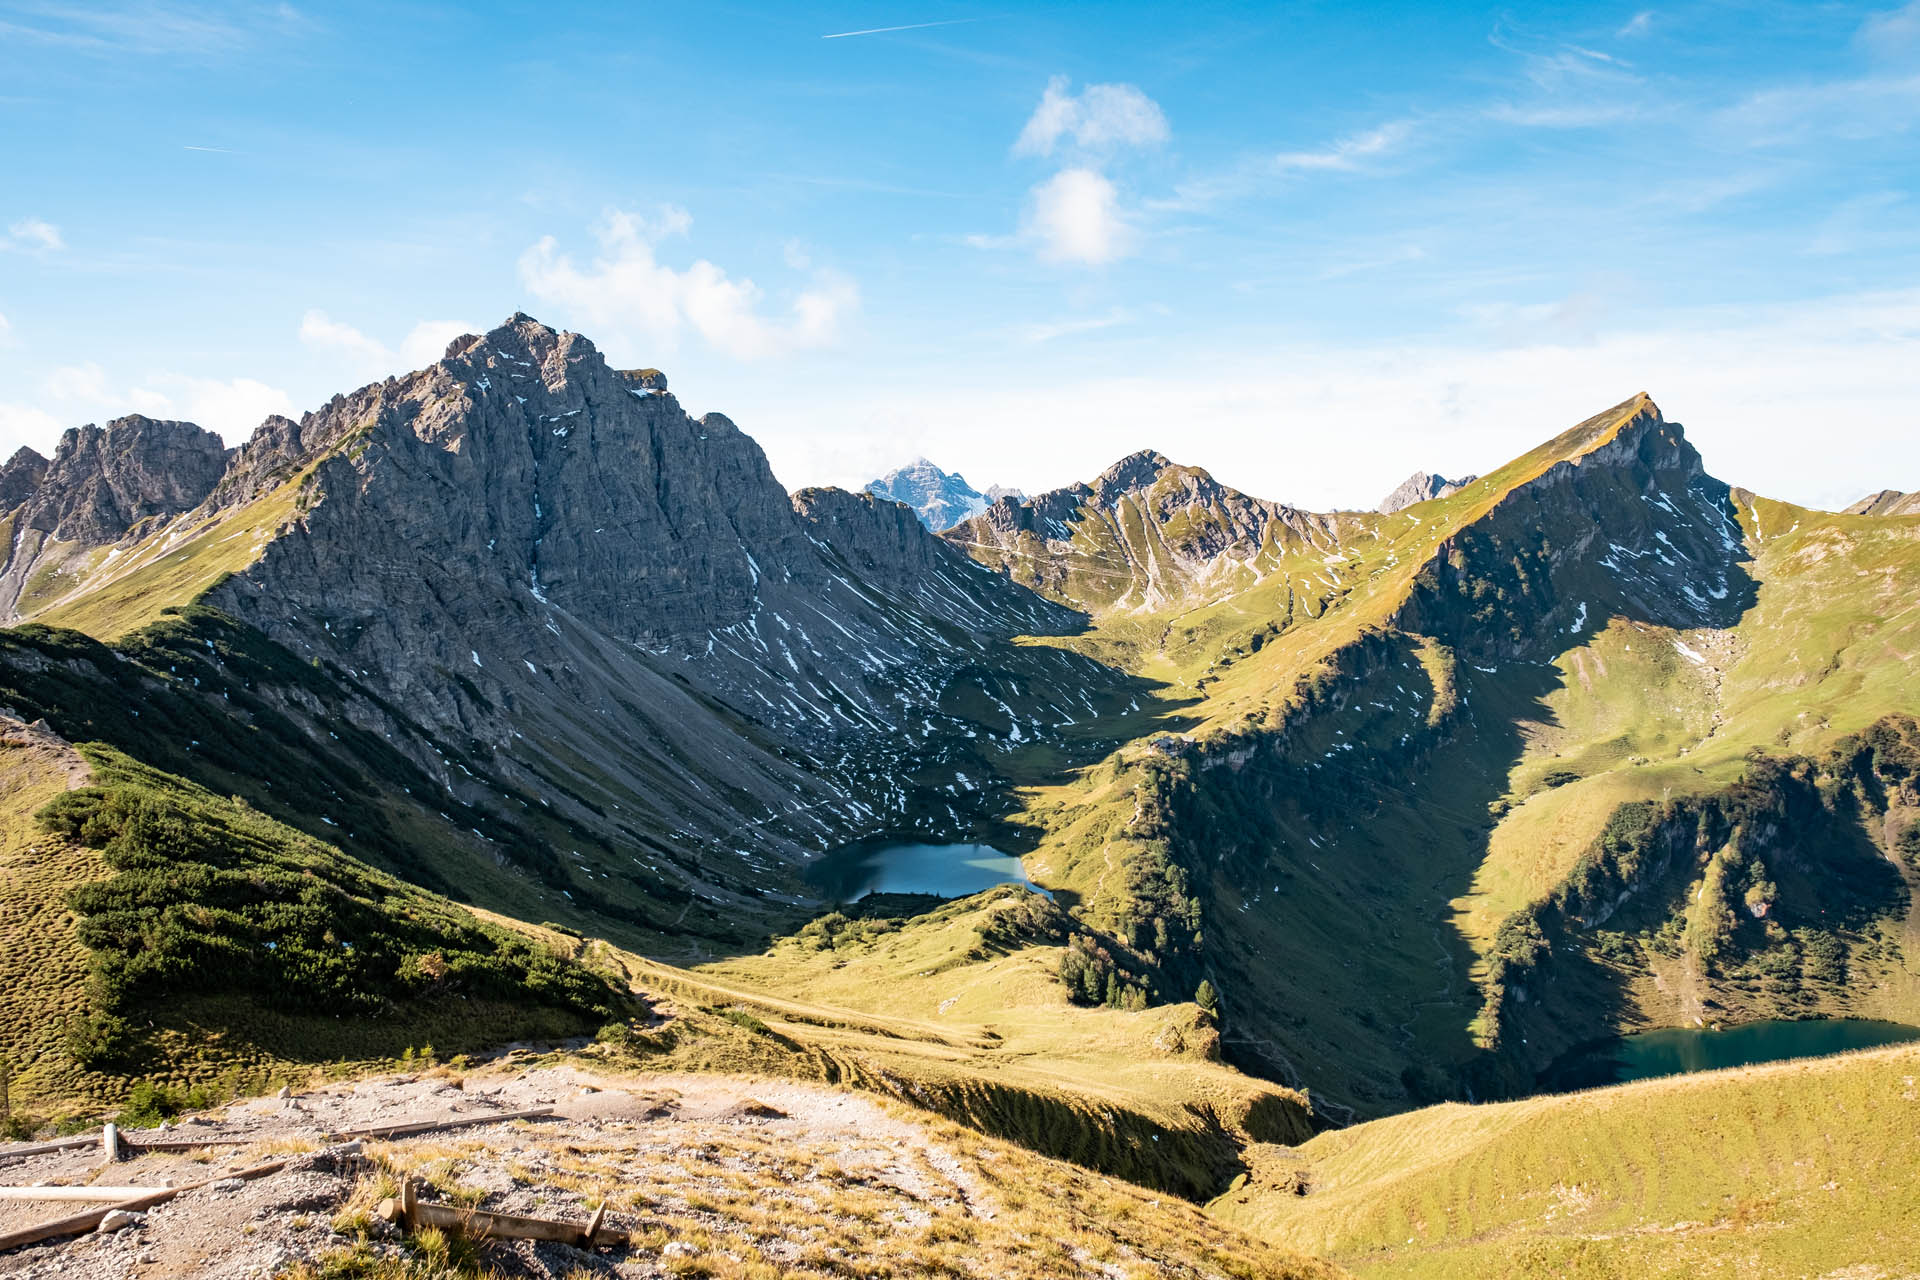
(103, 480)
(1420, 487)
(101, 483)
(615, 606)
(20, 476)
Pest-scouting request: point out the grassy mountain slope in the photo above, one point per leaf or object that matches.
(1377, 756)
(159, 931)
(1790, 1169)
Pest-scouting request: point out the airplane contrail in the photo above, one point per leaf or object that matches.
(911, 26)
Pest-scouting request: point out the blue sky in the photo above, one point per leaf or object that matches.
(1307, 246)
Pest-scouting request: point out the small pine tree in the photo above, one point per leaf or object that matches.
(1205, 996)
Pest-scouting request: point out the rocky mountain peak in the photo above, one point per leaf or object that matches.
(941, 499)
(1134, 473)
(20, 476)
(103, 480)
(1420, 487)
(1887, 502)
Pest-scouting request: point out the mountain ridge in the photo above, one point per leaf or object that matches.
(1325, 801)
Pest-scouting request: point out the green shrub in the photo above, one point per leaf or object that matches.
(209, 896)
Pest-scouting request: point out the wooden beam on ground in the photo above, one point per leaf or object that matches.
(478, 1224)
(137, 1145)
(436, 1126)
(109, 1195)
(47, 1148)
(80, 1223)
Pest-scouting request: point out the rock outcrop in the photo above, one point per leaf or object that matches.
(1887, 502)
(1420, 487)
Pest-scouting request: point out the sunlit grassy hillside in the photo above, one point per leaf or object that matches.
(1786, 1170)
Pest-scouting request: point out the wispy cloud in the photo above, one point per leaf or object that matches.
(911, 26)
(1348, 152)
(1101, 117)
(1372, 262)
(1638, 25)
(1895, 32)
(424, 343)
(34, 234)
(1865, 107)
(1048, 330)
(628, 290)
(225, 151)
(1862, 223)
(149, 29)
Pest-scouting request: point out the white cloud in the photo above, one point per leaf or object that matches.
(6, 330)
(1075, 216)
(425, 343)
(627, 290)
(78, 384)
(1099, 118)
(25, 424)
(233, 407)
(36, 234)
(1348, 152)
(1638, 25)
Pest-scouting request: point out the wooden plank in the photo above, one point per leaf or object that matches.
(108, 1194)
(411, 1128)
(478, 1224)
(81, 1223)
(188, 1144)
(46, 1148)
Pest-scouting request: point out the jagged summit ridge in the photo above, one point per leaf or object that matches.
(1421, 486)
(941, 499)
(1163, 531)
(530, 554)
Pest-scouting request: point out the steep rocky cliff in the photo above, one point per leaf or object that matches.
(556, 593)
(101, 486)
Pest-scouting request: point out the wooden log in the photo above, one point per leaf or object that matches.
(110, 1195)
(188, 1144)
(411, 1128)
(47, 1148)
(593, 1225)
(478, 1224)
(80, 1223)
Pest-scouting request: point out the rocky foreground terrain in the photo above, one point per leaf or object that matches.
(701, 1175)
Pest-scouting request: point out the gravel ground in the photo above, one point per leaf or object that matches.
(633, 1129)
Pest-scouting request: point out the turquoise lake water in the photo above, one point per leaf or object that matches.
(945, 870)
(1676, 1051)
